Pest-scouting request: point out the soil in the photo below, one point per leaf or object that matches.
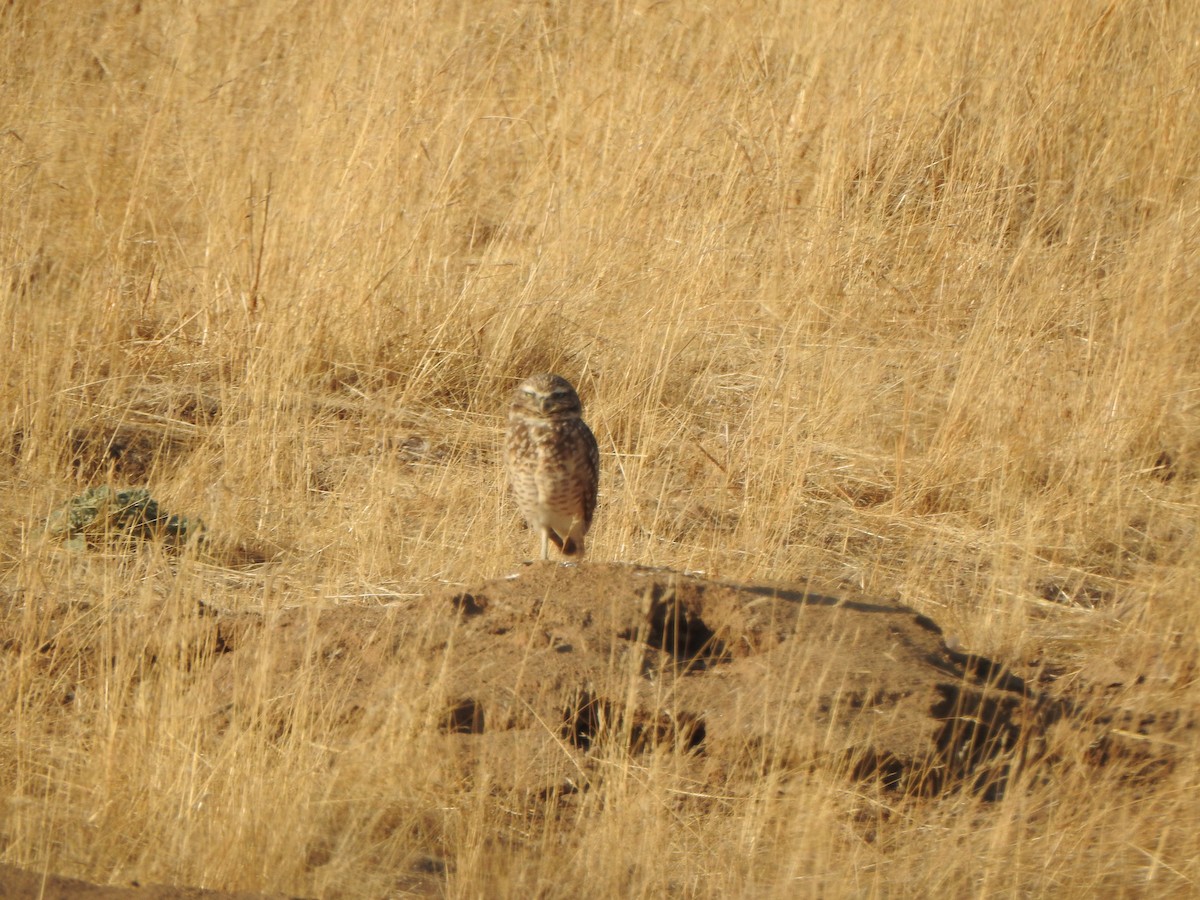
(18, 884)
(544, 669)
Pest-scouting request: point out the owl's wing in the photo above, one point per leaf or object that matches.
(592, 483)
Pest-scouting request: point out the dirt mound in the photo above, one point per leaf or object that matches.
(542, 667)
(20, 883)
(533, 684)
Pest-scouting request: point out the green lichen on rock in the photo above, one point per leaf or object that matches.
(102, 513)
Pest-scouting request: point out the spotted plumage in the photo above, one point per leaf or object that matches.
(553, 462)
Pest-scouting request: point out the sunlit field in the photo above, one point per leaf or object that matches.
(903, 297)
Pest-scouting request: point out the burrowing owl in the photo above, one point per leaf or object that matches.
(553, 462)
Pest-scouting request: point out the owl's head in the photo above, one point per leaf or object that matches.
(546, 396)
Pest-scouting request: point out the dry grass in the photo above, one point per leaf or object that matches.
(902, 294)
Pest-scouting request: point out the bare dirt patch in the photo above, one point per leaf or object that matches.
(535, 680)
(21, 883)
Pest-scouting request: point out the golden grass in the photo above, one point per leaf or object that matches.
(900, 294)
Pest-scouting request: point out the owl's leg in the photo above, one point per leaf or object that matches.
(545, 543)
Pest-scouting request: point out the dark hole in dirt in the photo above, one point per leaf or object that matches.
(589, 719)
(469, 604)
(675, 629)
(890, 771)
(584, 719)
(976, 741)
(464, 717)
